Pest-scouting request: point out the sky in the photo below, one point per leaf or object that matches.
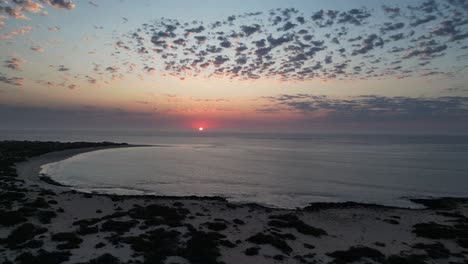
(265, 65)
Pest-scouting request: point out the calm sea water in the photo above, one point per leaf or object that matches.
(283, 170)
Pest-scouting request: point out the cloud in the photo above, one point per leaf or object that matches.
(12, 80)
(369, 108)
(14, 63)
(53, 28)
(20, 31)
(29, 6)
(289, 45)
(37, 48)
(62, 68)
(61, 4)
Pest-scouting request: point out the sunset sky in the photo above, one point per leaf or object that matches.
(234, 65)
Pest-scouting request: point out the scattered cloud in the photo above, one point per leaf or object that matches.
(14, 63)
(37, 48)
(12, 80)
(371, 107)
(289, 45)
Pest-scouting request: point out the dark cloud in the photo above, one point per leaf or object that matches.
(63, 4)
(419, 21)
(373, 108)
(249, 30)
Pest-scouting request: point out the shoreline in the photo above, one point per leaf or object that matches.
(44, 223)
(29, 170)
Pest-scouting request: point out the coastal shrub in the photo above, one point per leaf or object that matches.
(411, 259)
(86, 230)
(238, 222)
(8, 197)
(435, 251)
(118, 226)
(202, 248)
(43, 257)
(356, 253)
(158, 215)
(445, 203)
(227, 243)
(11, 218)
(435, 231)
(252, 251)
(45, 217)
(263, 239)
(23, 233)
(391, 221)
(293, 221)
(286, 236)
(463, 242)
(216, 226)
(155, 245)
(38, 203)
(105, 259)
(71, 239)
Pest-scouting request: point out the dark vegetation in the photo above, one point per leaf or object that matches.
(344, 205)
(445, 203)
(293, 221)
(264, 239)
(356, 253)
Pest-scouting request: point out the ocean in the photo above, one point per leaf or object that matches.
(278, 170)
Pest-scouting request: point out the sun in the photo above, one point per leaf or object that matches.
(200, 129)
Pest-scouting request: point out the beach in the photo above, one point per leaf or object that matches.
(43, 222)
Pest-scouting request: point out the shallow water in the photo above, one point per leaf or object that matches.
(277, 170)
